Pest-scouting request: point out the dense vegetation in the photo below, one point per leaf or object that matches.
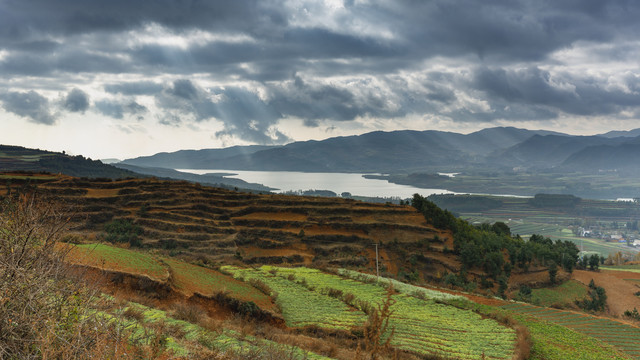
(485, 246)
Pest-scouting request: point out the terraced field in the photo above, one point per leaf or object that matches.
(301, 306)
(112, 258)
(622, 336)
(222, 225)
(185, 278)
(143, 328)
(421, 326)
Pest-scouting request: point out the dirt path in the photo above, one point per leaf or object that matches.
(620, 293)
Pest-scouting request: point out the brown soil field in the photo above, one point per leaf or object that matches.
(284, 216)
(213, 225)
(620, 293)
(101, 193)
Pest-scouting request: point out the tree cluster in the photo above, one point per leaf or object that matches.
(492, 248)
(596, 299)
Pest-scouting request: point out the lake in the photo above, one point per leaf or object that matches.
(336, 182)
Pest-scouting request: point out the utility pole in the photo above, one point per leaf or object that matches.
(377, 270)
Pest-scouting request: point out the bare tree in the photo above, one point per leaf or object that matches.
(44, 310)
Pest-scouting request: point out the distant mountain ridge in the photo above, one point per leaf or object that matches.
(546, 151)
(193, 159)
(206, 179)
(404, 150)
(18, 158)
(623, 157)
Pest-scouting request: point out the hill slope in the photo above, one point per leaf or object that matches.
(217, 225)
(548, 151)
(17, 158)
(623, 157)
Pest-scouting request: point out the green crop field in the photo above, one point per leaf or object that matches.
(404, 288)
(301, 306)
(226, 340)
(196, 279)
(624, 337)
(563, 294)
(630, 268)
(421, 326)
(119, 259)
(554, 342)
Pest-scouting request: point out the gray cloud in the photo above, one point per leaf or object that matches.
(30, 105)
(76, 101)
(242, 112)
(118, 109)
(465, 60)
(25, 19)
(134, 88)
(562, 92)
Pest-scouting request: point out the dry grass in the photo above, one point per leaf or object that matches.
(192, 313)
(44, 305)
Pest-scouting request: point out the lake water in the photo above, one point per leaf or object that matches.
(336, 182)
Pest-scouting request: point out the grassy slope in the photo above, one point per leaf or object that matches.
(186, 278)
(118, 259)
(189, 278)
(550, 341)
(421, 326)
(564, 294)
(623, 336)
(183, 339)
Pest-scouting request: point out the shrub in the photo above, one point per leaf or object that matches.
(44, 305)
(524, 293)
(188, 312)
(596, 299)
(123, 231)
(632, 314)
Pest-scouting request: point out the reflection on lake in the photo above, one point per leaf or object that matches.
(336, 182)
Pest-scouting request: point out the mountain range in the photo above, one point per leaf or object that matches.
(409, 151)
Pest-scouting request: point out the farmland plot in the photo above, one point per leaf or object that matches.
(421, 326)
(622, 336)
(300, 306)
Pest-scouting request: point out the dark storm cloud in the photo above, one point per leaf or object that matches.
(27, 18)
(562, 92)
(65, 61)
(30, 105)
(134, 88)
(242, 112)
(467, 60)
(518, 30)
(314, 102)
(76, 101)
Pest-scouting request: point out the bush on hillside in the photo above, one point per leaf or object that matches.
(123, 231)
(44, 306)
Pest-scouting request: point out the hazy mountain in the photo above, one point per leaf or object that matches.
(630, 133)
(206, 179)
(621, 157)
(372, 152)
(376, 151)
(486, 141)
(548, 150)
(193, 159)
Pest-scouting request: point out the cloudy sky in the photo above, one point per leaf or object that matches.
(123, 78)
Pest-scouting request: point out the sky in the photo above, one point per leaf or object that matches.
(125, 78)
